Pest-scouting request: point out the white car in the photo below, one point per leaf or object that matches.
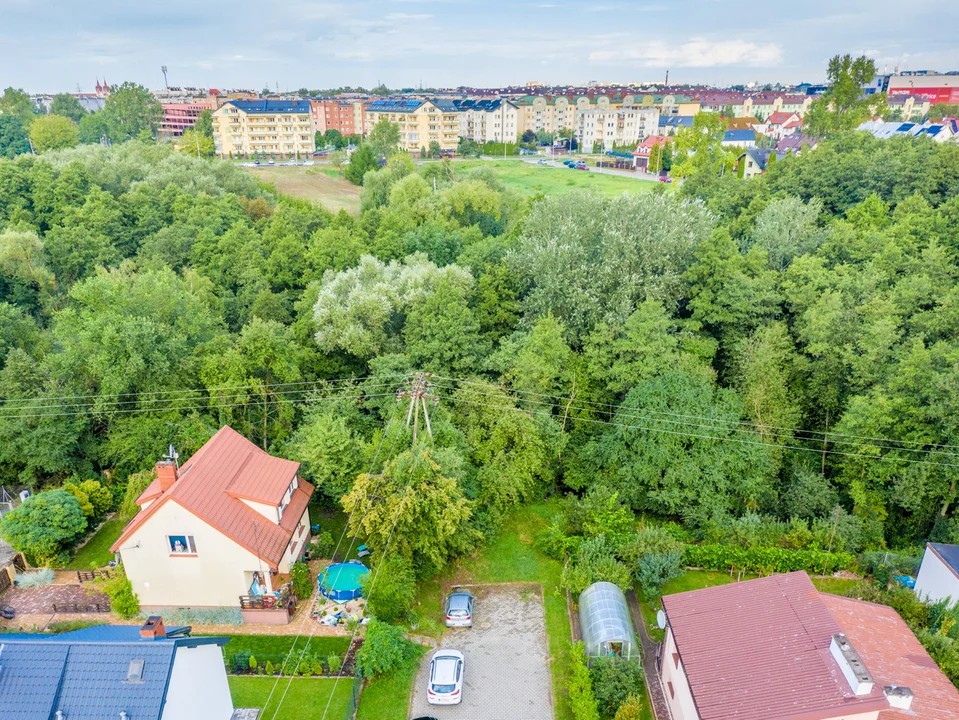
(446, 678)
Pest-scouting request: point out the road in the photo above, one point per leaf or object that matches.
(602, 171)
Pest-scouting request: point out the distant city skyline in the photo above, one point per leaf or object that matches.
(49, 46)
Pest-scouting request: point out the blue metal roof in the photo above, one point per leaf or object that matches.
(391, 105)
(676, 120)
(271, 106)
(948, 553)
(738, 135)
(84, 673)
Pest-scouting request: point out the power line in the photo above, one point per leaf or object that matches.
(712, 437)
(204, 389)
(827, 435)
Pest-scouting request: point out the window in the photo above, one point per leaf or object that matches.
(676, 659)
(135, 671)
(672, 693)
(181, 545)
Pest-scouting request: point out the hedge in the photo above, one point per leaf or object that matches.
(765, 559)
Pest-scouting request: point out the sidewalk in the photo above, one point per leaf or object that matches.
(657, 699)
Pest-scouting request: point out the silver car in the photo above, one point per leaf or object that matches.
(446, 678)
(459, 609)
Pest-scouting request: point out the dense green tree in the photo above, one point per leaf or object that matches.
(53, 132)
(14, 139)
(331, 452)
(44, 525)
(131, 111)
(415, 507)
(843, 107)
(93, 128)
(390, 588)
(204, 123)
(383, 138)
(65, 105)
(95, 499)
(17, 102)
(361, 162)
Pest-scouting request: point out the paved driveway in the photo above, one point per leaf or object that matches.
(506, 672)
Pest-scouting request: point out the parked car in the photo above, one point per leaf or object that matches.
(446, 678)
(665, 179)
(582, 166)
(459, 609)
(540, 162)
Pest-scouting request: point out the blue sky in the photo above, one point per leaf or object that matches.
(52, 45)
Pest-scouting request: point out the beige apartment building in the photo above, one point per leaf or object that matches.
(489, 120)
(268, 127)
(420, 121)
(626, 125)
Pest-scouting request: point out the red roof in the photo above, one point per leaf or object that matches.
(759, 650)
(895, 656)
(779, 117)
(210, 484)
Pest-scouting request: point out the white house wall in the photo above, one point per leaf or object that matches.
(301, 536)
(267, 511)
(680, 700)
(215, 577)
(198, 687)
(936, 580)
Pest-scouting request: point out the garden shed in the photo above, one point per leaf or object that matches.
(606, 624)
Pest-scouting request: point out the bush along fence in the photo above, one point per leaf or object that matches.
(244, 662)
(765, 560)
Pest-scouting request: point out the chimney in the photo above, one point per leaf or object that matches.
(852, 666)
(898, 697)
(153, 628)
(166, 474)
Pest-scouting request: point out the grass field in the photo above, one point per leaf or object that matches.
(96, 553)
(321, 185)
(306, 698)
(276, 648)
(511, 557)
(388, 697)
(528, 178)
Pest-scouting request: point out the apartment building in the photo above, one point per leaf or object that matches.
(421, 122)
(347, 116)
(488, 120)
(178, 117)
(604, 128)
(270, 127)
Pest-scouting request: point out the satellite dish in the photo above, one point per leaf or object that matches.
(661, 620)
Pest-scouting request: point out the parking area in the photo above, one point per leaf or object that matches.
(506, 670)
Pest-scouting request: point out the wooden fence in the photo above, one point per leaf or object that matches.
(88, 575)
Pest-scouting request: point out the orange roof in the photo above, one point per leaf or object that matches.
(779, 117)
(210, 484)
(895, 656)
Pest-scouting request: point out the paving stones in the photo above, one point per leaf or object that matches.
(506, 673)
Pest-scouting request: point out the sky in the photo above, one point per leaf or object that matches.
(56, 45)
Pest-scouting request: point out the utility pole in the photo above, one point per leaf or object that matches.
(418, 392)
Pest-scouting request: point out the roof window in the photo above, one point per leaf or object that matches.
(135, 671)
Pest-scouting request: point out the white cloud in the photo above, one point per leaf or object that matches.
(408, 16)
(693, 53)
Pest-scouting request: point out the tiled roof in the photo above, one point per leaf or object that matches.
(83, 674)
(759, 650)
(211, 482)
(895, 656)
(779, 117)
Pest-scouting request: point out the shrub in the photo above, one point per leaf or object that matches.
(335, 662)
(35, 579)
(44, 525)
(392, 594)
(384, 650)
(253, 663)
(655, 557)
(323, 545)
(241, 661)
(95, 499)
(579, 686)
(594, 561)
(302, 580)
(614, 679)
(270, 669)
(765, 559)
(631, 709)
(123, 601)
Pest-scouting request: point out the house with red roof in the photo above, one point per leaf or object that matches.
(644, 150)
(220, 526)
(775, 648)
(781, 124)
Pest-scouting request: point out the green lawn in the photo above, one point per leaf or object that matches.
(275, 648)
(306, 698)
(388, 697)
(836, 586)
(530, 179)
(511, 557)
(690, 580)
(96, 553)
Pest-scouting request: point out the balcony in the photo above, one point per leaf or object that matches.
(268, 609)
